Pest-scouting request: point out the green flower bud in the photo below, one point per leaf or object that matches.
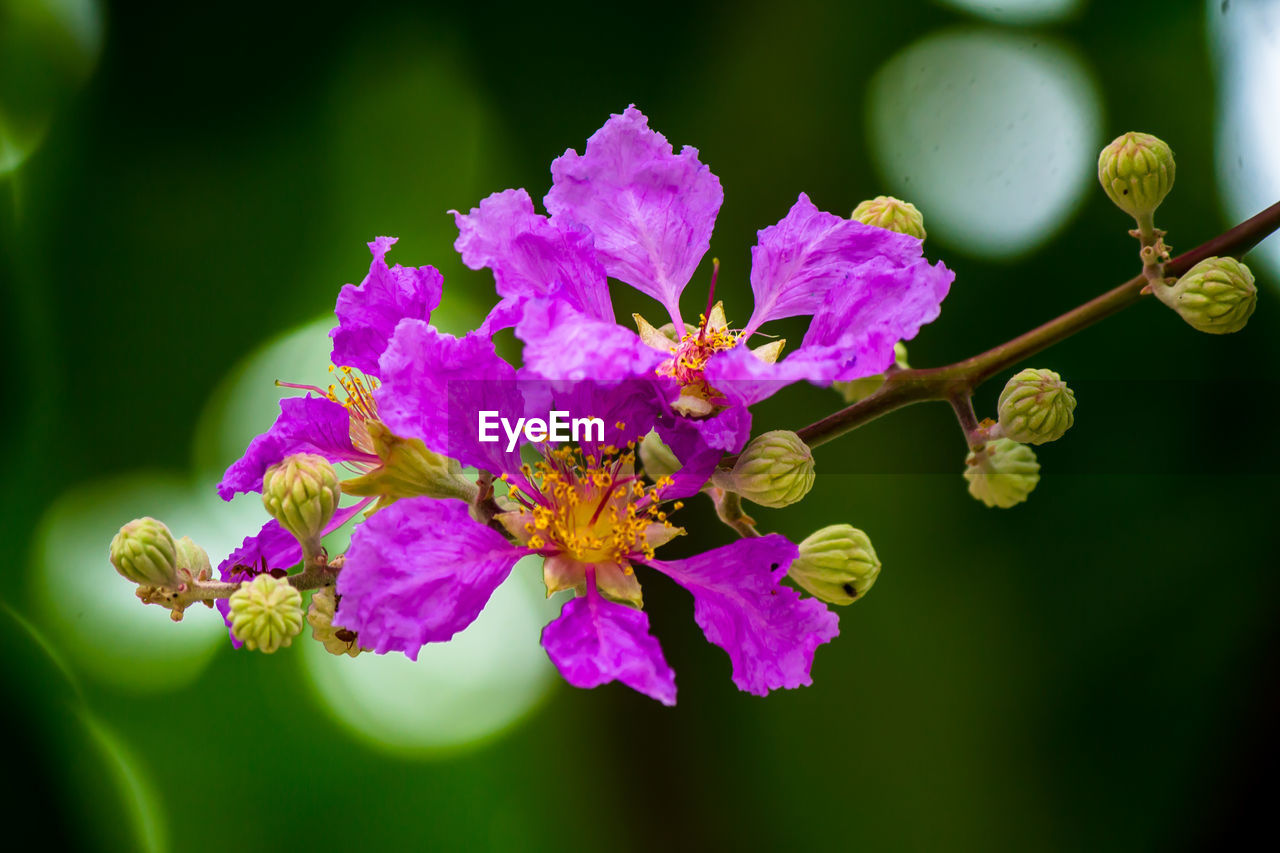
(774, 470)
(1136, 170)
(1036, 406)
(860, 389)
(408, 470)
(885, 211)
(657, 458)
(266, 613)
(1002, 473)
(1216, 296)
(302, 494)
(193, 562)
(144, 552)
(836, 564)
(336, 640)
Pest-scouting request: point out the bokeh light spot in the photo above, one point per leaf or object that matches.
(992, 135)
(1244, 43)
(1018, 11)
(457, 693)
(47, 50)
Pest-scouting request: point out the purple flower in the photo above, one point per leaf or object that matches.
(631, 208)
(422, 569)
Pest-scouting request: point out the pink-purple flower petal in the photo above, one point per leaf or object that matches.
(305, 425)
(741, 605)
(435, 385)
(530, 256)
(595, 641)
(651, 211)
(420, 571)
(796, 262)
(368, 313)
(561, 342)
(879, 305)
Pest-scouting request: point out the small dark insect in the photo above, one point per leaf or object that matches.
(346, 636)
(850, 590)
(279, 573)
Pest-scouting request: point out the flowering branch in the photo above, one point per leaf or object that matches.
(905, 387)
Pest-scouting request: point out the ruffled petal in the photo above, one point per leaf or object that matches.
(746, 380)
(368, 314)
(651, 211)
(435, 385)
(739, 602)
(595, 641)
(305, 425)
(561, 342)
(530, 256)
(796, 262)
(420, 571)
(880, 304)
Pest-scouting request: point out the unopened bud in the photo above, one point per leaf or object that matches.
(1002, 473)
(266, 613)
(302, 494)
(774, 470)
(144, 552)
(860, 389)
(1036, 406)
(1136, 170)
(336, 640)
(657, 458)
(836, 564)
(408, 470)
(885, 211)
(1217, 296)
(193, 562)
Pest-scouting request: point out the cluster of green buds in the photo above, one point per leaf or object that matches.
(775, 470)
(1217, 295)
(164, 569)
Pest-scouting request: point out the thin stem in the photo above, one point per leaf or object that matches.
(729, 509)
(905, 387)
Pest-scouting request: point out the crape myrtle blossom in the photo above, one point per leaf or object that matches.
(632, 209)
(339, 423)
(422, 569)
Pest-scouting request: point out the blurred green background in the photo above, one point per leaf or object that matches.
(183, 190)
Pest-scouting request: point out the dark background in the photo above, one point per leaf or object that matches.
(1092, 670)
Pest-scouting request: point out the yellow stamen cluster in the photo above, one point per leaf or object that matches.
(356, 395)
(591, 511)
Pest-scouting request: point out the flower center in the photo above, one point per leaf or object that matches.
(689, 356)
(591, 510)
